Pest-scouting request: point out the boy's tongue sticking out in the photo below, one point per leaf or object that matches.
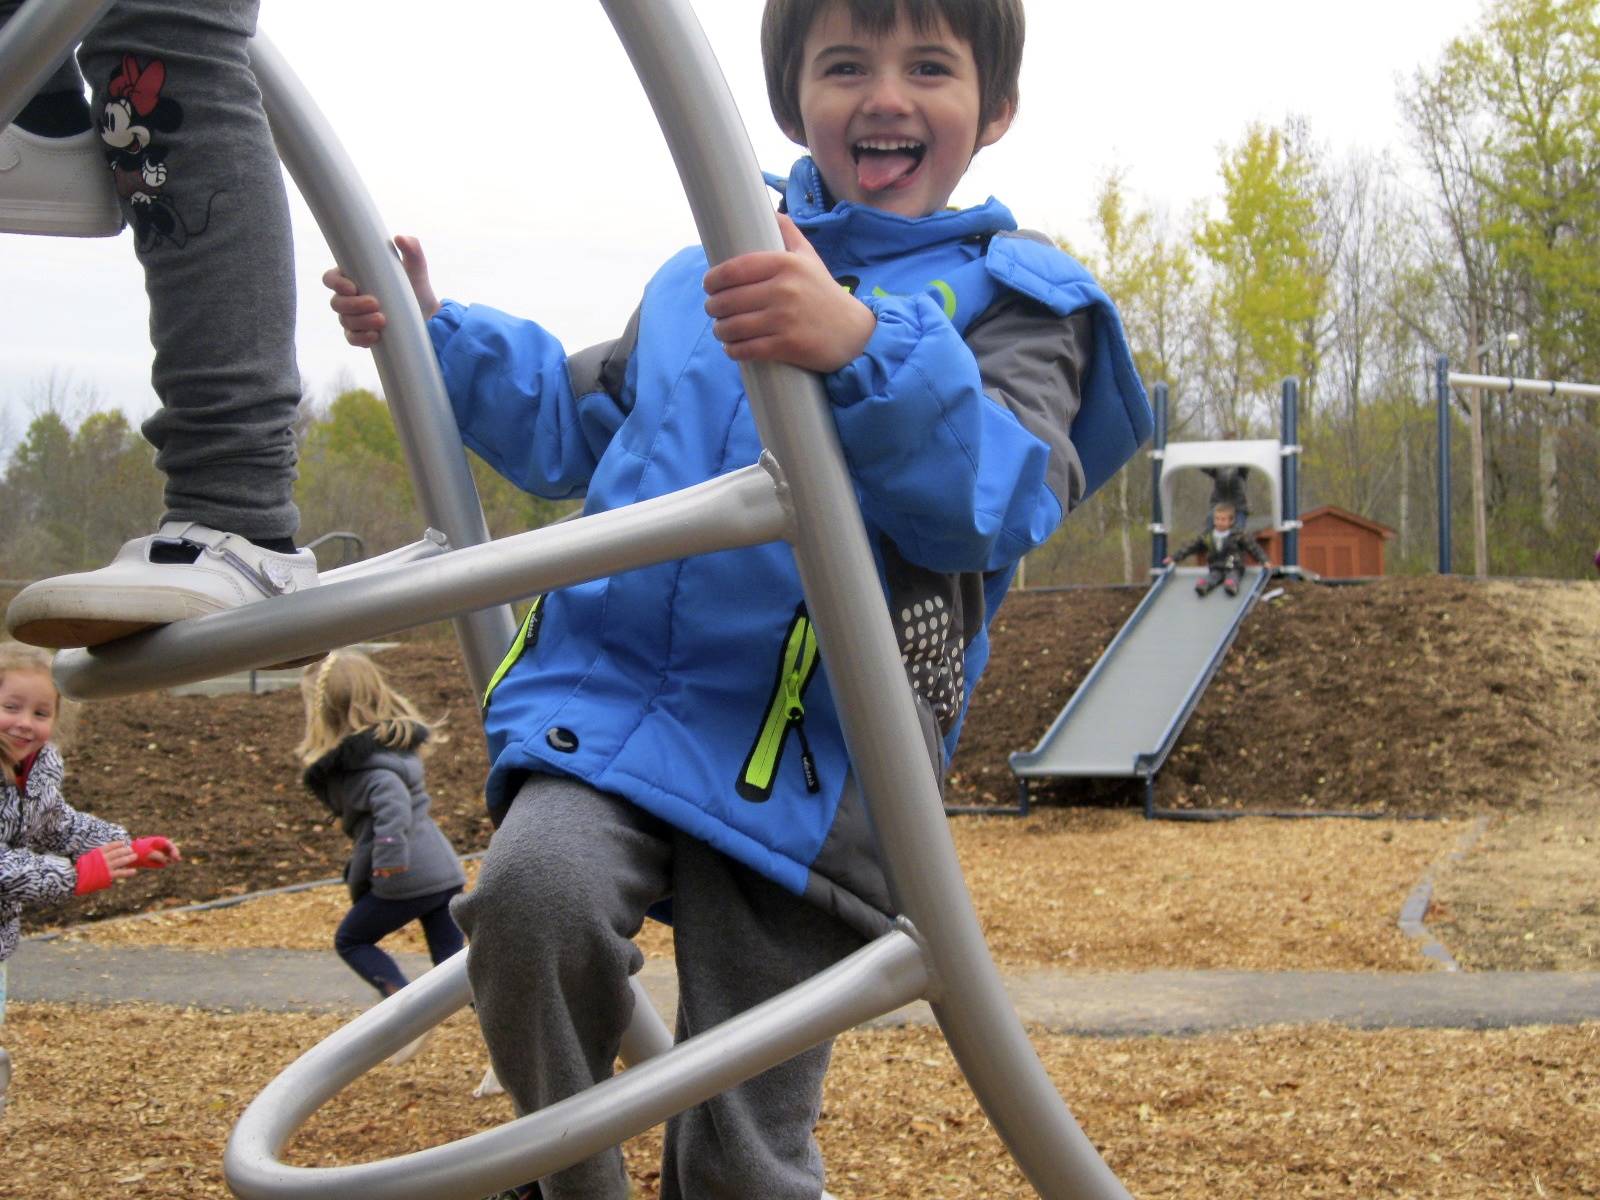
(882, 166)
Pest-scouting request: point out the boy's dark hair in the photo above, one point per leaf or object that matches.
(1225, 506)
(993, 28)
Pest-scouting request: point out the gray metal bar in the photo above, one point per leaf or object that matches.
(1291, 475)
(733, 213)
(875, 980)
(1158, 519)
(407, 370)
(431, 545)
(742, 508)
(39, 36)
(1510, 385)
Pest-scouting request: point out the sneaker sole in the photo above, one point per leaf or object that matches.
(63, 617)
(60, 220)
(93, 626)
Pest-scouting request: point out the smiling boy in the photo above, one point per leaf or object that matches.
(669, 733)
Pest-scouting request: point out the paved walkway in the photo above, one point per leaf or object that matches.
(1147, 1002)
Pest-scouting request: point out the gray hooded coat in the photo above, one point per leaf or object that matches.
(377, 794)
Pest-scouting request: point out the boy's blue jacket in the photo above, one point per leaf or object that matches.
(693, 688)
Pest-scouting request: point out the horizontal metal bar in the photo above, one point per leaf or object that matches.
(877, 979)
(432, 545)
(1524, 387)
(742, 508)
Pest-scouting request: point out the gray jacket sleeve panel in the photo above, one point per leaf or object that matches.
(604, 368)
(386, 796)
(1033, 362)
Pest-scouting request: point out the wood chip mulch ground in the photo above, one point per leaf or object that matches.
(138, 1102)
(1087, 889)
(1428, 697)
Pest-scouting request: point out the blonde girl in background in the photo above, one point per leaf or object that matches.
(362, 753)
(48, 851)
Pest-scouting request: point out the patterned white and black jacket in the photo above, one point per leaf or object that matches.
(40, 836)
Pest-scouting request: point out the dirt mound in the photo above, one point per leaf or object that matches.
(1406, 696)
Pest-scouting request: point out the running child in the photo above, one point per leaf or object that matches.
(363, 749)
(48, 851)
(646, 742)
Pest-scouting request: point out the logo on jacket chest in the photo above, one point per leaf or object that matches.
(937, 288)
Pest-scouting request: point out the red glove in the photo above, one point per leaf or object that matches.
(94, 872)
(143, 847)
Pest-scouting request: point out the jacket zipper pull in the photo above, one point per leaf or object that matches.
(797, 722)
(808, 765)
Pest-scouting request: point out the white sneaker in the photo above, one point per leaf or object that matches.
(409, 1051)
(56, 185)
(489, 1085)
(134, 594)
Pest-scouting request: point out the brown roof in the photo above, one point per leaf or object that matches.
(1344, 514)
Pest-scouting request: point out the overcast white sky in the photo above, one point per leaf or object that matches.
(514, 139)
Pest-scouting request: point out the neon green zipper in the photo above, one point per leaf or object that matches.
(785, 711)
(527, 635)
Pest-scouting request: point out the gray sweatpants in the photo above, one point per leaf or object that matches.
(564, 887)
(173, 91)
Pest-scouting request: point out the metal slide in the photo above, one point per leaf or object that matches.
(1128, 712)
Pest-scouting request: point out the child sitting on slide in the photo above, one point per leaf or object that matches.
(1225, 548)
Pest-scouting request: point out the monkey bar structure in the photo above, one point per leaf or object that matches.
(799, 491)
(1509, 385)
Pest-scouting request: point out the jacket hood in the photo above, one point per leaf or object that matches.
(353, 753)
(838, 230)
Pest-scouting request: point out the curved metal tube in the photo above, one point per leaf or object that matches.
(38, 36)
(876, 979)
(734, 215)
(406, 367)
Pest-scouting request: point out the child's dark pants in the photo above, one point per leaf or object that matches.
(372, 918)
(1228, 576)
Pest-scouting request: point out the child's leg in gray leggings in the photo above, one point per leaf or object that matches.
(742, 939)
(565, 885)
(549, 925)
(172, 88)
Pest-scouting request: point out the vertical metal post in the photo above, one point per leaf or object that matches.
(1441, 383)
(1158, 450)
(1291, 476)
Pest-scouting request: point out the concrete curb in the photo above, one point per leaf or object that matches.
(1415, 909)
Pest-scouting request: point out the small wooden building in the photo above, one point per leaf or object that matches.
(1334, 543)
